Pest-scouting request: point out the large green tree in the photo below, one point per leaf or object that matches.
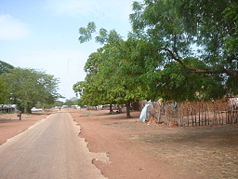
(181, 29)
(115, 73)
(27, 87)
(122, 73)
(179, 50)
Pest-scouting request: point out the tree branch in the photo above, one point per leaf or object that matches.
(231, 58)
(173, 56)
(228, 72)
(196, 70)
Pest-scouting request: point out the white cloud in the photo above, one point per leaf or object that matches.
(12, 28)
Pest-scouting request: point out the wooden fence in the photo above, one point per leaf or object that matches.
(194, 113)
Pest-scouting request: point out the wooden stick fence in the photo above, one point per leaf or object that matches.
(194, 114)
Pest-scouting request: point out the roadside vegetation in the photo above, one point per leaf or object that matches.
(177, 50)
(27, 87)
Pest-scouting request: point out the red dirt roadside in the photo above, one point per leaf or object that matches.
(128, 158)
(10, 125)
(140, 151)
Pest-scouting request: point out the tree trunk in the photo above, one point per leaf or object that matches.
(128, 114)
(111, 110)
(28, 109)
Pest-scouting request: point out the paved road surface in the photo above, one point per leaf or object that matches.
(49, 150)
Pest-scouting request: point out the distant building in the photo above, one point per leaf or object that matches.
(8, 108)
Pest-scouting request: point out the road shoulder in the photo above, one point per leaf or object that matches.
(10, 126)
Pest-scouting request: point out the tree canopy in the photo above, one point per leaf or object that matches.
(115, 73)
(178, 50)
(184, 29)
(27, 87)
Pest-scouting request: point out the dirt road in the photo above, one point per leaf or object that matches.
(157, 151)
(50, 149)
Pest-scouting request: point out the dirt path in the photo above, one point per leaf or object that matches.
(49, 150)
(139, 151)
(128, 158)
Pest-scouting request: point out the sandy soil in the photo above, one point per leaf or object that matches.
(10, 125)
(142, 151)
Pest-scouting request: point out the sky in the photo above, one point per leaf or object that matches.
(43, 34)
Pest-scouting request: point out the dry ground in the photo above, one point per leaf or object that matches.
(138, 150)
(142, 151)
(11, 126)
